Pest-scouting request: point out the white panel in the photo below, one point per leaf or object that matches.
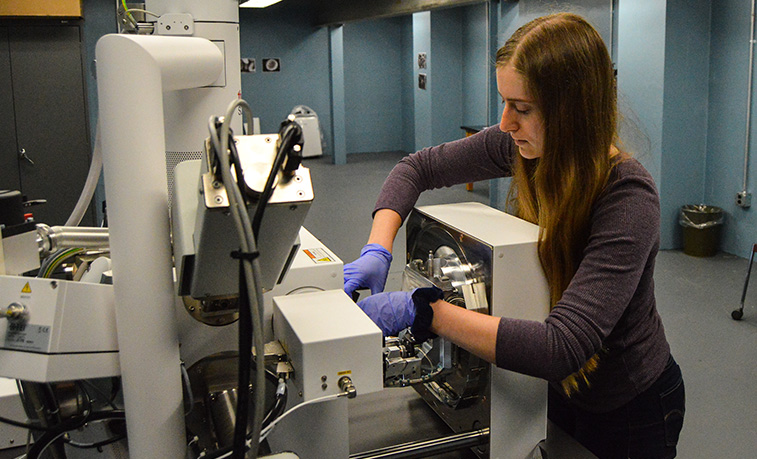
(327, 336)
(519, 290)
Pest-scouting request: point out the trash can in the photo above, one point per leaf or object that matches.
(701, 229)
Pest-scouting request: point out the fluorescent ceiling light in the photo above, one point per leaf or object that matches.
(258, 3)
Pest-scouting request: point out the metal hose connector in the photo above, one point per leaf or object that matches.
(52, 238)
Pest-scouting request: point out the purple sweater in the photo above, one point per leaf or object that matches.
(610, 302)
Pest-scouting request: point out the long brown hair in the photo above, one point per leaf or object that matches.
(568, 73)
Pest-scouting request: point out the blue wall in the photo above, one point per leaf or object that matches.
(373, 85)
(409, 82)
(729, 54)
(336, 56)
(684, 127)
(641, 67)
(421, 97)
(682, 69)
(304, 76)
(446, 82)
(476, 65)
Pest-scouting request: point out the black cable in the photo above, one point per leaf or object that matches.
(245, 316)
(290, 135)
(245, 351)
(98, 444)
(244, 190)
(25, 425)
(41, 443)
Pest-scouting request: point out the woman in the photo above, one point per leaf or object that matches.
(613, 384)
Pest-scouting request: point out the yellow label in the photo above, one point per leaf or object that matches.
(26, 289)
(342, 373)
(318, 255)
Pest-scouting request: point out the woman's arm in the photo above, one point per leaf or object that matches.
(482, 156)
(473, 331)
(386, 223)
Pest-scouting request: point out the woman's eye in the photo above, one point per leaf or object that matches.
(521, 110)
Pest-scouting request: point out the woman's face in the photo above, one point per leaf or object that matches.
(520, 117)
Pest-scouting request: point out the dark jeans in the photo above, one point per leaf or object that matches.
(647, 427)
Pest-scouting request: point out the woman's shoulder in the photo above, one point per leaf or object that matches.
(630, 186)
(629, 168)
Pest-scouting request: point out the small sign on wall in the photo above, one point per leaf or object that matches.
(422, 81)
(271, 64)
(421, 60)
(247, 65)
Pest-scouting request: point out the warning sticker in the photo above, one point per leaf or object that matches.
(27, 337)
(318, 255)
(26, 289)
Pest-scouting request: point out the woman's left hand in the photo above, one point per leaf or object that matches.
(391, 311)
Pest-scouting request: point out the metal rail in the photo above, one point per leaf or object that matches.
(425, 448)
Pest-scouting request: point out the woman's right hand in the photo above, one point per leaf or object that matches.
(368, 271)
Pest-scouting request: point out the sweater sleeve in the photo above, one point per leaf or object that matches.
(623, 241)
(485, 155)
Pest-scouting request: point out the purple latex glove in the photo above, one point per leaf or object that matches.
(395, 311)
(370, 270)
(391, 311)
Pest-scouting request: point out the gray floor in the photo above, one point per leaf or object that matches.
(695, 296)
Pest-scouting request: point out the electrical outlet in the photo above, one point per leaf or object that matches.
(744, 199)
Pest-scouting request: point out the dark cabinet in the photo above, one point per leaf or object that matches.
(44, 137)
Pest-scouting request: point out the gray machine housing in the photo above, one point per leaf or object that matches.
(204, 231)
(484, 260)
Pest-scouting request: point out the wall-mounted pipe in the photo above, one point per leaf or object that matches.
(749, 99)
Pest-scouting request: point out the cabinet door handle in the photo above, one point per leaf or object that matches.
(22, 154)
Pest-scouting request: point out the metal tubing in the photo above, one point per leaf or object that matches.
(748, 272)
(427, 448)
(749, 97)
(63, 237)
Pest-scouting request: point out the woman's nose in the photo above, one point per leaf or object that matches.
(507, 123)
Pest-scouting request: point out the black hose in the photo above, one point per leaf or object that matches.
(290, 135)
(245, 352)
(41, 443)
